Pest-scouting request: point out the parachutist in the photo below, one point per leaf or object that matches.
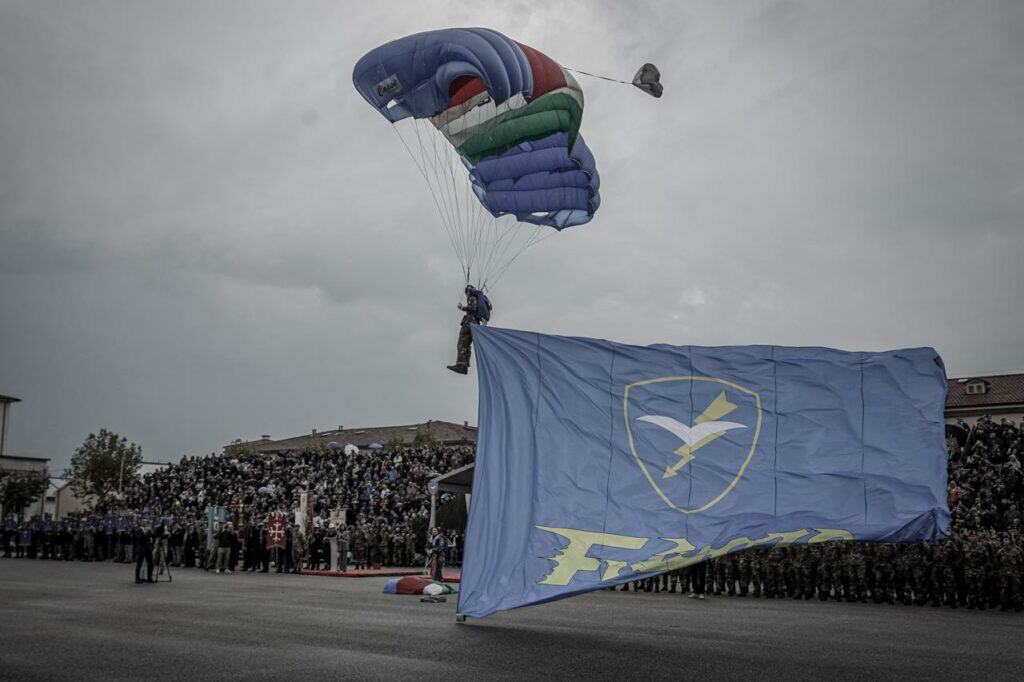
(477, 310)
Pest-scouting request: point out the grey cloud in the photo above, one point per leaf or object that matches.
(205, 233)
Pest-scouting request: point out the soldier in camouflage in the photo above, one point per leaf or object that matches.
(854, 573)
(884, 566)
(1011, 566)
(775, 573)
(976, 561)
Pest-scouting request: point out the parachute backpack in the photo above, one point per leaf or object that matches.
(483, 306)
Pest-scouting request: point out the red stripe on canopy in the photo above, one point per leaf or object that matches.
(547, 74)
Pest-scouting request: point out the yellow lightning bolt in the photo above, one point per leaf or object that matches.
(718, 408)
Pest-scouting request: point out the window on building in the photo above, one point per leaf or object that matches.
(976, 387)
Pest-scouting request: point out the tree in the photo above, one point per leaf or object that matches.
(423, 439)
(239, 450)
(103, 463)
(18, 489)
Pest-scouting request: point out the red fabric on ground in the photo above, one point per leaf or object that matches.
(449, 576)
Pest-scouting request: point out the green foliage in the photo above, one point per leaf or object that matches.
(18, 489)
(394, 445)
(103, 463)
(240, 451)
(423, 440)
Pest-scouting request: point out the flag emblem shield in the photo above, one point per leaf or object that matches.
(692, 437)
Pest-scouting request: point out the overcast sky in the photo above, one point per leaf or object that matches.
(205, 233)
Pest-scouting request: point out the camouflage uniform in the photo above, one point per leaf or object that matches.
(945, 560)
(992, 574)
(20, 536)
(830, 573)
(795, 567)
(885, 560)
(1011, 562)
(755, 564)
(743, 560)
(921, 573)
(359, 548)
(88, 541)
(976, 561)
(718, 575)
(201, 538)
(464, 345)
(907, 556)
(809, 570)
(732, 573)
(775, 575)
(410, 547)
(868, 550)
(854, 573)
(299, 549)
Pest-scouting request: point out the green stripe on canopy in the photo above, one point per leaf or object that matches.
(557, 112)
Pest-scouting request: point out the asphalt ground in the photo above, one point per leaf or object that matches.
(90, 621)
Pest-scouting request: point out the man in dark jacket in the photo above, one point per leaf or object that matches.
(142, 543)
(252, 549)
(191, 543)
(264, 551)
(225, 540)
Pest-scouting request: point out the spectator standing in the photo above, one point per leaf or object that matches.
(298, 548)
(224, 540)
(142, 541)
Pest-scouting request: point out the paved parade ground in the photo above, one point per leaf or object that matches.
(73, 620)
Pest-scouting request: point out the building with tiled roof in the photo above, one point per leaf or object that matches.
(446, 433)
(996, 395)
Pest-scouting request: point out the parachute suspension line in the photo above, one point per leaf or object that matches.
(485, 245)
(481, 228)
(506, 237)
(510, 236)
(475, 222)
(440, 188)
(594, 75)
(450, 225)
(433, 196)
(473, 218)
(538, 236)
(444, 159)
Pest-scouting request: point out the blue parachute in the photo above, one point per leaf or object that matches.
(510, 118)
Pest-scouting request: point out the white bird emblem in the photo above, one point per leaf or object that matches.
(690, 434)
(704, 430)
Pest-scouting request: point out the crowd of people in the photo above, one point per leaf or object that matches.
(980, 566)
(372, 507)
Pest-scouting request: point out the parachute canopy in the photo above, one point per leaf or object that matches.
(510, 118)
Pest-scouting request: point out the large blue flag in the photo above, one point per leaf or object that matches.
(599, 463)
